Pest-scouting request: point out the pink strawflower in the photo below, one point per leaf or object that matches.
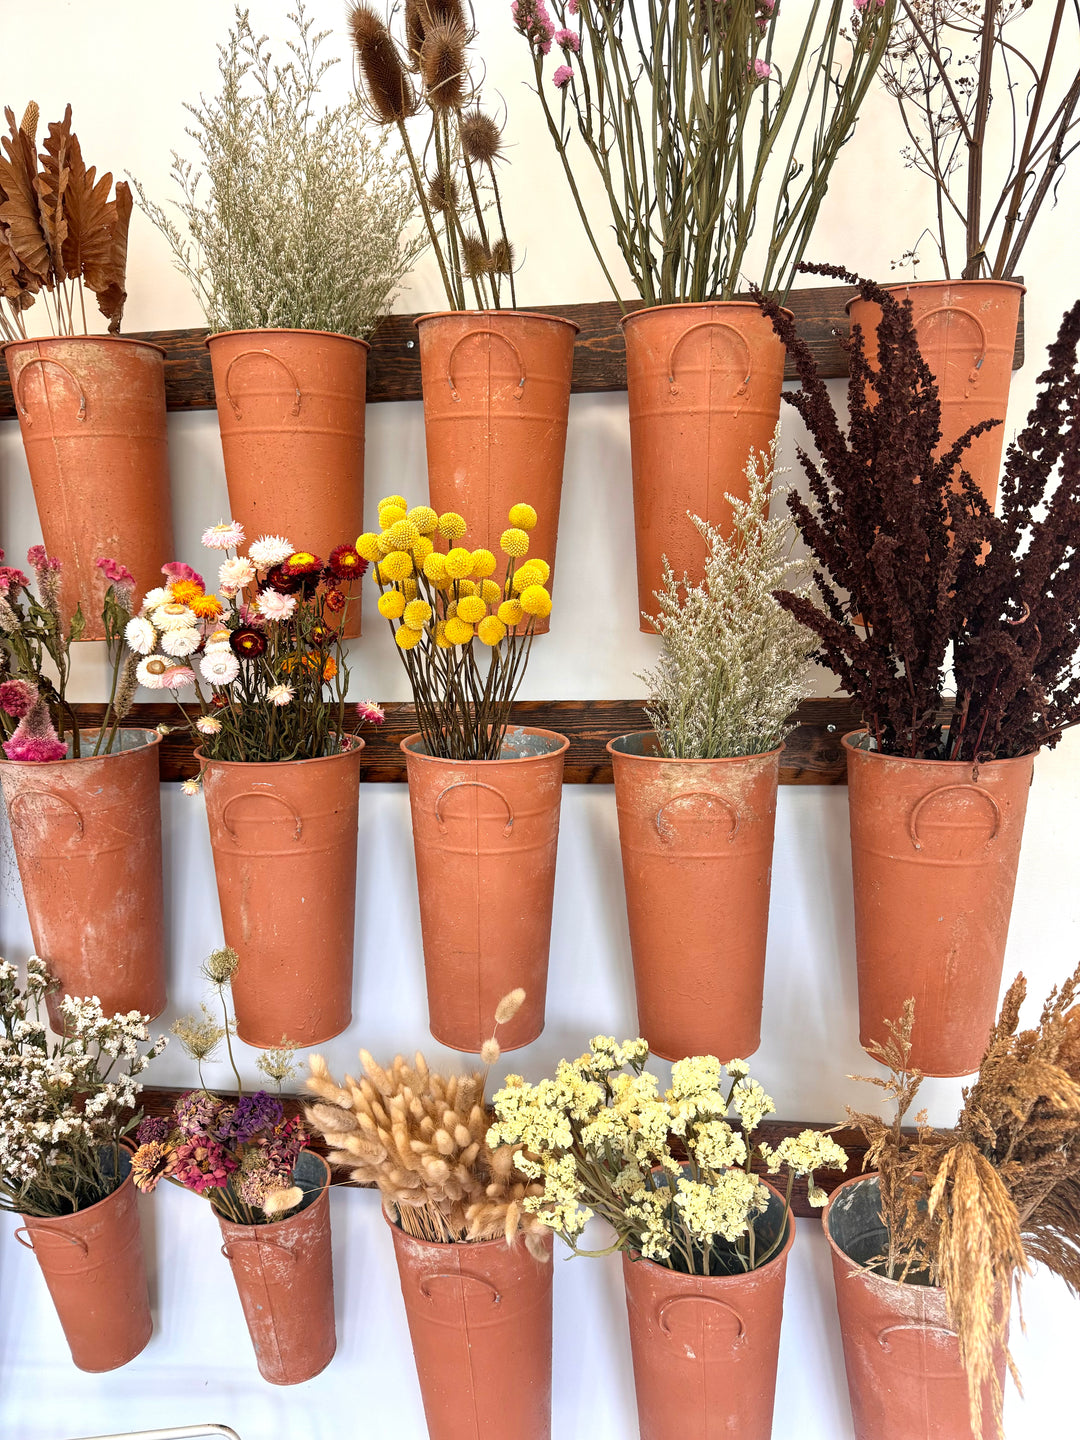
(229, 535)
(562, 77)
(114, 572)
(177, 570)
(272, 606)
(12, 579)
(177, 677)
(568, 40)
(35, 738)
(532, 20)
(17, 698)
(370, 712)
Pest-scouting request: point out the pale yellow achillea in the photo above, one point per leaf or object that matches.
(397, 565)
(511, 613)
(416, 614)
(424, 518)
(406, 637)
(491, 630)
(471, 609)
(457, 632)
(392, 605)
(452, 525)
(459, 563)
(367, 546)
(483, 563)
(522, 516)
(536, 601)
(514, 542)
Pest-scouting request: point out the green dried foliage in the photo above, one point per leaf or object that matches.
(733, 664)
(294, 218)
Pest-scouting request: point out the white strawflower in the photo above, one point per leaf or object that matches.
(153, 598)
(226, 536)
(269, 550)
(280, 694)
(149, 672)
(220, 668)
(274, 606)
(235, 574)
(140, 635)
(173, 616)
(180, 642)
(208, 725)
(190, 787)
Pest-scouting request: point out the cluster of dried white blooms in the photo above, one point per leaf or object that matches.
(600, 1141)
(63, 1101)
(733, 663)
(302, 222)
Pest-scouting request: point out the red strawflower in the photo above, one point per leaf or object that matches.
(283, 583)
(301, 562)
(335, 601)
(345, 563)
(248, 643)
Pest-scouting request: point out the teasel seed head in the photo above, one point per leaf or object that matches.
(481, 138)
(444, 197)
(502, 263)
(475, 256)
(442, 64)
(387, 86)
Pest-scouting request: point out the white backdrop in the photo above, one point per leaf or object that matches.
(127, 67)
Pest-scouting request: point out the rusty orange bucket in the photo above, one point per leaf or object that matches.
(934, 849)
(496, 401)
(705, 1347)
(480, 1322)
(87, 838)
(92, 413)
(283, 834)
(291, 414)
(967, 336)
(485, 834)
(284, 1276)
(93, 1264)
(697, 843)
(905, 1377)
(704, 386)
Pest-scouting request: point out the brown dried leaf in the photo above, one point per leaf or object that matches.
(51, 185)
(112, 296)
(88, 243)
(19, 210)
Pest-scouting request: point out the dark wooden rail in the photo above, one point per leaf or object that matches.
(599, 353)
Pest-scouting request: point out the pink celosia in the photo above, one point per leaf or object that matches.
(562, 77)
(568, 40)
(35, 738)
(17, 698)
(177, 570)
(12, 579)
(114, 572)
(372, 713)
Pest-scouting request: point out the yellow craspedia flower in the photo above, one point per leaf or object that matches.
(528, 574)
(416, 614)
(466, 587)
(457, 632)
(490, 592)
(424, 518)
(435, 567)
(397, 565)
(522, 516)
(422, 548)
(458, 563)
(483, 563)
(383, 543)
(452, 525)
(543, 567)
(367, 546)
(392, 605)
(390, 515)
(403, 535)
(398, 500)
(536, 601)
(409, 589)
(406, 637)
(491, 630)
(451, 610)
(440, 636)
(514, 542)
(511, 613)
(472, 609)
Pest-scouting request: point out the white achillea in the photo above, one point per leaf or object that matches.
(599, 1138)
(733, 663)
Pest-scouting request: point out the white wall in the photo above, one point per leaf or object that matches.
(127, 67)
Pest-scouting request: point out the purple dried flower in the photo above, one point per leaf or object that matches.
(198, 1113)
(252, 1115)
(155, 1128)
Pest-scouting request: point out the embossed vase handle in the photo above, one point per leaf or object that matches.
(258, 795)
(476, 785)
(429, 1280)
(44, 360)
(45, 795)
(711, 325)
(668, 1305)
(913, 823)
(496, 335)
(665, 831)
(269, 355)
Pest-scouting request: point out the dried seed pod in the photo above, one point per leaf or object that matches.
(386, 83)
(502, 257)
(481, 140)
(443, 194)
(442, 64)
(29, 123)
(475, 256)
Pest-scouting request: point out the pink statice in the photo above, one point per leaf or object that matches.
(568, 40)
(370, 712)
(762, 69)
(571, 7)
(562, 77)
(17, 698)
(865, 4)
(532, 20)
(35, 738)
(177, 570)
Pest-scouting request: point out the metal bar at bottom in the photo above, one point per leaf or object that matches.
(181, 1432)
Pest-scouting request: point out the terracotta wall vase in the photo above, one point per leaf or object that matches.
(704, 385)
(496, 401)
(705, 1348)
(290, 409)
(697, 843)
(485, 834)
(87, 837)
(934, 850)
(92, 414)
(905, 1378)
(283, 835)
(285, 1279)
(967, 335)
(480, 1322)
(93, 1264)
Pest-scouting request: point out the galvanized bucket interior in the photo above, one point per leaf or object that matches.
(517, 744)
